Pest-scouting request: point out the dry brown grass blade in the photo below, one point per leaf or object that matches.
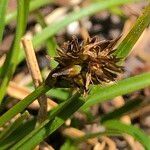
(36, 76)
(32, 62)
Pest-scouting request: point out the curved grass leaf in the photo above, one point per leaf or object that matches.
(34, 4)
(54, 28)
(135, 132)
(130, 105)
(13, 54)
(3, 6)
(126, 45)
(117, 128)
(96, 134)
(100, 94)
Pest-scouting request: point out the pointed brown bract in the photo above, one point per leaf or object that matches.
(89, 62)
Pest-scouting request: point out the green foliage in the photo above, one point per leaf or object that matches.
(135, 132)
(3, 6)
(54, 28)
(115, 127)
(100, 94)
(32, 135)
(131, 105)
(5, 133)
(126, 45)
(56, 118)
(12, 57)
(20, 106)
(34, 4)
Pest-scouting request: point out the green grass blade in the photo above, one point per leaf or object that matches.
(4, 134)
(96, 134)
(34, 4)
(49, 126)
(18, 134)
(13, 54)
(50, 43)
(3, 6)
(52, 29)
(135, 132)
(117, 128)
(20, 106)
(100, 94)
(59, 94)
(131, 105)
(126, 45)
(51, 46)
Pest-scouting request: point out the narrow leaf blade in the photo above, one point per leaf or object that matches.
(126, 45)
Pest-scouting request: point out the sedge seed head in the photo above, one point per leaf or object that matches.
(87, 62)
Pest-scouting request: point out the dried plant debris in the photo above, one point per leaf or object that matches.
(89, 62)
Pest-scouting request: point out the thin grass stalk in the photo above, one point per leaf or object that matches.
(12, 57)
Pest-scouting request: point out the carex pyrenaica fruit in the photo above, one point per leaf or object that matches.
(87, 62)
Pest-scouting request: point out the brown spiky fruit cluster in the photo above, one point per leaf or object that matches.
(89, 62)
